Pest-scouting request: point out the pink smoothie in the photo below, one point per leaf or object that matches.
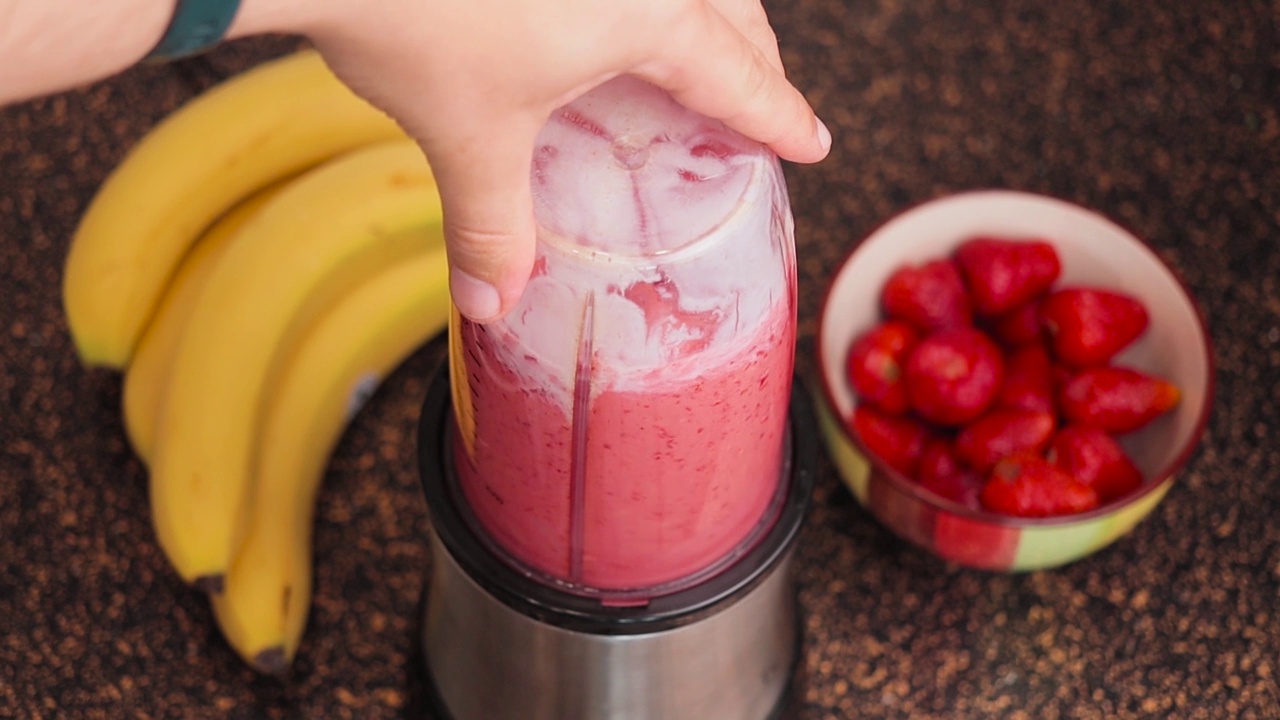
(677, 477)
(622, 428)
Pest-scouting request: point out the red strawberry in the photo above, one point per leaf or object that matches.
(964, 488)
(953, 375)
(1003, 432)
(937, 461)
(1087, 326)
(1061, 376)
(1003, 274)
(875, 365)
(1020, 326)
(898, 441)
(928, 296)
(1027, 485)
(1116, 399)
(940, 472)
(1028, 380)
(1094, 458)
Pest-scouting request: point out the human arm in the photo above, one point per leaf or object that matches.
(472, 81)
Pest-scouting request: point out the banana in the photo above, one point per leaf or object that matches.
(148, 372)
(270, 122)
(324, 231)
(262, 610)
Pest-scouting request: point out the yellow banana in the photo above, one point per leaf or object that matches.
(148, 371)
(263, 608)
(322, 233)
(270, 122)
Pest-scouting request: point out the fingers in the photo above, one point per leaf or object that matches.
(712, 68)
(749, 18)
(488, 214)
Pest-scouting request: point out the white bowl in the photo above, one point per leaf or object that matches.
(1093, 251)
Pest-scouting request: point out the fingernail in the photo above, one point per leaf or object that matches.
(824, 135)
(475, 298)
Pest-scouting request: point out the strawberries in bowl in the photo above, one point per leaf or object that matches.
(1040, 407)
(935, 367)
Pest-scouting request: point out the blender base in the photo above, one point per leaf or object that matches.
(501, 646)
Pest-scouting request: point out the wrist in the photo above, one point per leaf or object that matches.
(285, 17)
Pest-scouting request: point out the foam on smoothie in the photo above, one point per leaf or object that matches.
(639, 204)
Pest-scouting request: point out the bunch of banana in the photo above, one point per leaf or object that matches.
(256, 265)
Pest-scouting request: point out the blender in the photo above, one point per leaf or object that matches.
(617, 470)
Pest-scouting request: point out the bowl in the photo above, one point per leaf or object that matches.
(1093, 251)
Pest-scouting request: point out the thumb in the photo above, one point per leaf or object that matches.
(488, 214)
(710, 67)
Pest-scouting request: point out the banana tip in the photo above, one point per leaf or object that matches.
(93, 356)
(271, 661)
(212, 584)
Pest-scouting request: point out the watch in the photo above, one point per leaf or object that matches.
(197, 26)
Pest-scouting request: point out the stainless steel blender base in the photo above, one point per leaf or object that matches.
(489, 661)
(501, 646)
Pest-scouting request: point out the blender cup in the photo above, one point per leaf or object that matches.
(622, 433)
(617, 471)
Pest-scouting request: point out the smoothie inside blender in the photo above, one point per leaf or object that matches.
(622, 432)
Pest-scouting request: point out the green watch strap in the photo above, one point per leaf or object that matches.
(197, 25)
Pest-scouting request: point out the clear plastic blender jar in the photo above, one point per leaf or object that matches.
(621, 433)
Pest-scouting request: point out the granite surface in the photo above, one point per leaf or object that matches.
(1165, 116)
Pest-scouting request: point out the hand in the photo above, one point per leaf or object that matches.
(472, 80)
(475, 81)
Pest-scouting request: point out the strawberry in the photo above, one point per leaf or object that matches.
(1003, 432)
(1094, 458)
(1003, 274)
(937, 461)
(1028, 380)
(928, 296)
(940, 472)
(953, 375)
(1027, 485)
(1020, 326)
(874, 366)
(1087, 326)
(1116, 399)
(1061, 375)
(964, 488)
(898, 441)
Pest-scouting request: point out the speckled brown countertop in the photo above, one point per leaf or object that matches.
(1165, 116)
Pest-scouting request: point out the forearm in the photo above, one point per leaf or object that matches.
(52, 45)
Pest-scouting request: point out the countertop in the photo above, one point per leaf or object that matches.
(1164, 116)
